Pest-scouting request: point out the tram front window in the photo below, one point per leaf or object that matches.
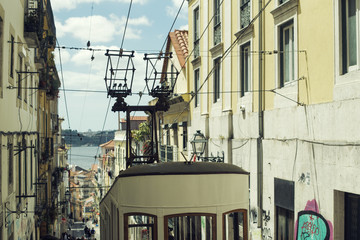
(235, 225)
(190, 227)
(141, 227)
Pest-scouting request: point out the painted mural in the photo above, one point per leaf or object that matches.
(311, 225)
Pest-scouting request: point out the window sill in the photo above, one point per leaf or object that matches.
(217, 50)
(347, 86)
(196, 62)
(284, 8)
(245, 33)
(290, 91)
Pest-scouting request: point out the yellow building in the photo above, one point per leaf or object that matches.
(29, 121)
(173, 123)
(278, 92)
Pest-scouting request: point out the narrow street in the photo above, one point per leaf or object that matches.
(77, 230)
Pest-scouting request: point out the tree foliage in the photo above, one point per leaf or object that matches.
(142, 134)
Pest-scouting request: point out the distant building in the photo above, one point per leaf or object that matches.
(134, 122)
(173, 137)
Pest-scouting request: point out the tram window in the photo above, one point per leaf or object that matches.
(235, 225)
(190, 227)
(140, 227)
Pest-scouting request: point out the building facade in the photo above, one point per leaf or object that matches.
(173, 123)
(277, 89)
(30, 175)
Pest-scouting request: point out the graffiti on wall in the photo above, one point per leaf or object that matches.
(312, 225)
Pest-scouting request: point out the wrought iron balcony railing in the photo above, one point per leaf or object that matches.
(34, 21)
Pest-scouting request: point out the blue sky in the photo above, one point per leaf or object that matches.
(102, 23)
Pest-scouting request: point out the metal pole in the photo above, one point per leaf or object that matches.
(261, 123)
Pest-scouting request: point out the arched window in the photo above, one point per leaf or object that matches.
(235, 225)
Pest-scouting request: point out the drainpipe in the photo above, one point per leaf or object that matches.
(261, 124)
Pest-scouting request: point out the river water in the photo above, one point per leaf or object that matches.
(83, 157)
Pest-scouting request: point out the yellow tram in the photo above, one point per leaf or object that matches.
(177, 200)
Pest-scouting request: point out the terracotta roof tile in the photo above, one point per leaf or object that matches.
(179, 39)
(135, 118)
(109, 144)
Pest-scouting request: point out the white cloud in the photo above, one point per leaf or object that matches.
(102, 29)
(173, 9)
(184, 27)
(58, 5)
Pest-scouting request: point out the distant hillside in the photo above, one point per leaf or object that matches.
(75, 138)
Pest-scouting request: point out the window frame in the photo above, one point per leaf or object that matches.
(287, 26)
(217, 22)
(19, 77)
(345, 65)
(214, 221)
(196, 87)
(126, 223)
(184, 135)
(243, 5)
(12, 52)
(196, 22)
(246, 227)
(10, 146)
(245, 84)
(217, 80)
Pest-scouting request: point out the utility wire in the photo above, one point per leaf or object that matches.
(63, 84)
(227, 51)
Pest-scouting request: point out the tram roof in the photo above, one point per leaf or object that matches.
(182, 168)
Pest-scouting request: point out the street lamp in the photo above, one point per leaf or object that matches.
(67, 195)
(198, 143)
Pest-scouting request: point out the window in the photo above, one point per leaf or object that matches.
(25, 167)
(31, 164)
(349, 33)
(11, 163)
(12, 40)
(352, 216)
(19, 76)
(245, 68)
(235, 225)
(244, 13)
(197, 85)
(167, 135)
(284, 207)
(172, 78)
(216, 79)
(217, 22)
(286, 53)
(174, 126)
(140, 226)
(31, 90)
(19, 190)
(190, 226)
(25, 78)
(196, 32)
(185, 135)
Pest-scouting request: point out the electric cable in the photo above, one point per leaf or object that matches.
(227, 51)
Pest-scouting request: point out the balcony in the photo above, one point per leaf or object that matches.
(168, 153)
(34, 22)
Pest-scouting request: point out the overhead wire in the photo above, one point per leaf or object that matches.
(121, 47)
(227, 51)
